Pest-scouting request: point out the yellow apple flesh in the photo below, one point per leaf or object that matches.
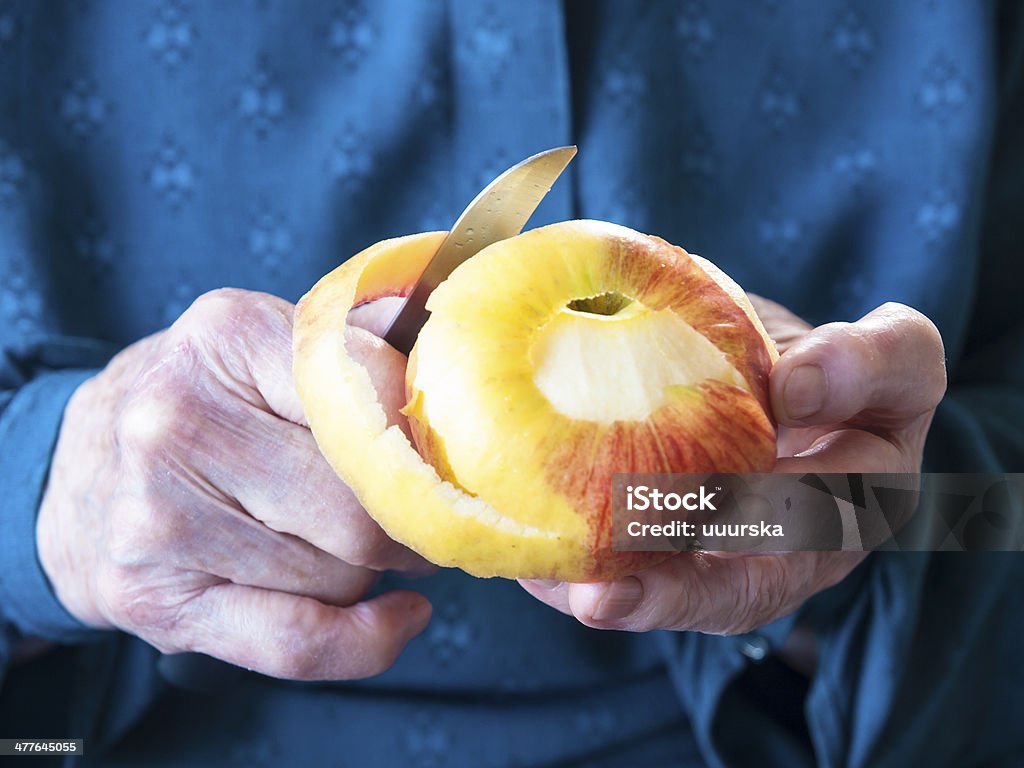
(550, 361)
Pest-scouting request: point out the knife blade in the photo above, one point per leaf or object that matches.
(500, 211)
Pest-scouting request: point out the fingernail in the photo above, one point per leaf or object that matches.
(620, 599)
(804, 392)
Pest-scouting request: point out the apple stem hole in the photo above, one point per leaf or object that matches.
(608, 304)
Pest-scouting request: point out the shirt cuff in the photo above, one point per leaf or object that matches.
(28, 433)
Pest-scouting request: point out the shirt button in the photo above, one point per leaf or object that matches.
(754, 648)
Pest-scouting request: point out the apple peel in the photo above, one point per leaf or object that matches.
(377, 461)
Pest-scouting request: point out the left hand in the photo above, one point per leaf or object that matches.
(848, 397)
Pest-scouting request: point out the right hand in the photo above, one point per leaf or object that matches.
(188, 503)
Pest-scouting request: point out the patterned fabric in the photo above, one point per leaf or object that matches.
(829, 155)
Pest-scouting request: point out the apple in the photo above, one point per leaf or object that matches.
(550, 361)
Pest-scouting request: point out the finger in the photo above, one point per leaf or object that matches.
(246, 337)
(709, 594)
(274, 468)
(375, 316)
(857, 451)
(689, 591)
(236, 547)
(794, 440)
(298, 493)
(886, 368)
(299, 638)
(806, 516)
(853, 450)
(274, 471)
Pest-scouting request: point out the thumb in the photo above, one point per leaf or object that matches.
(299, 638)
(888, 366)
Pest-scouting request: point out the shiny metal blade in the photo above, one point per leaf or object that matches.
(500, 211)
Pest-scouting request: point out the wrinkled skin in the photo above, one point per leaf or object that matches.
(865, 405)
(188, 504)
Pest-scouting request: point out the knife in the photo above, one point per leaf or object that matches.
(500, 211)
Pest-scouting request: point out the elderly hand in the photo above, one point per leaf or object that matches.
(188, 504)
(849, 397)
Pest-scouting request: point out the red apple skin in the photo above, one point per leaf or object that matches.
(664, 276)
(717, 426)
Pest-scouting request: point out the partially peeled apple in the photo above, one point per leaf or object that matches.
(550, 362)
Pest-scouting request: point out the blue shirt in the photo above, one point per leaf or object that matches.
(828, 156)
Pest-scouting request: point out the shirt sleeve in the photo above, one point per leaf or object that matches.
(36, 381)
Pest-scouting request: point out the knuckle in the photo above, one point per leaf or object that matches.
(160, 413)
(213, 310)
(683, 602)
(897, 312)
(215, 316)
(226, 327)
(146, 425)
(911, 329)
(227, 311)
(894, 308)
(904, 321)
(914, 318)
(679, 615)
(764, 595)
(774, 585)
